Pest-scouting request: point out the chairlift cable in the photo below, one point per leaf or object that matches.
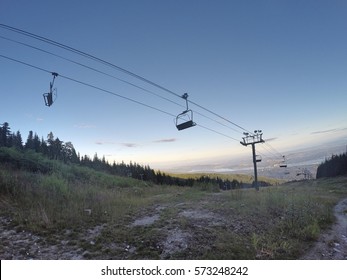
(109, 92)
(114, 77)
(273, 149)
(92, 57)
(25, 63)
(116, 94)
(89, 67)
(87, 84)
(217, 132)
(265, 147)
(269, 154)
(219, 116)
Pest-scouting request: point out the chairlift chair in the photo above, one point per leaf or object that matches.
(258, 158)
(185, 119)
(182, 122)
(48, 96)
(283, 163)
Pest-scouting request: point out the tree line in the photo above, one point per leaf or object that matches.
(335, 166)
(54, 149)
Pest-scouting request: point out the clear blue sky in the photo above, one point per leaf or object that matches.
(279, 66)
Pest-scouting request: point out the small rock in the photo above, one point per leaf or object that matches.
(337, 250)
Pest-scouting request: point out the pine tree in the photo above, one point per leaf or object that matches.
(5, 133)
(17, 141)
(29, 144)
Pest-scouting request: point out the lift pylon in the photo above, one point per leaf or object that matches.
(252, 139)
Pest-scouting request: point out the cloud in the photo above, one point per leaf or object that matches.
(125, 144)
(104, 142)
(169, 140)
(129, 145)
(83, 125)
(270, 139)
(328, 130)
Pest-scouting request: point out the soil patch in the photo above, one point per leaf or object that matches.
(176, 241)
(146, 220)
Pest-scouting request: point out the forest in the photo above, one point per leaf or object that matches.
(37, 154)
(335, 166)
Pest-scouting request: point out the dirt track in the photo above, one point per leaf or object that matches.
(332, 245)
(16, 243)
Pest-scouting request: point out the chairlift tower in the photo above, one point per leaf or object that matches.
(252, 139)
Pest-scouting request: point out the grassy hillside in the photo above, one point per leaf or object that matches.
(133, 219)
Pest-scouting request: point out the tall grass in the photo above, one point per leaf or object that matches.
(71, 196)
(274, 223)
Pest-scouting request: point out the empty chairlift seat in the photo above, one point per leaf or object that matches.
(284, 162)
(185, 119)
(48, 96)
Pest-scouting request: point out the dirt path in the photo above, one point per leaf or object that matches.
(332, 245)
(166, 229)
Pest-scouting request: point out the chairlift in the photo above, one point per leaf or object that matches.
(283, 163)
(185, 119)
(258, 158)
(51, 96)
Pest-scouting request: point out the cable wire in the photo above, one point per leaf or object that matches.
(109, 92)
(268, 147)
(119, 79)
(89, 85)
(92, 57)
(27, 64)
(88, 67)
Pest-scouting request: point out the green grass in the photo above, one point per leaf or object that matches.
(277, 222)
(62, 198)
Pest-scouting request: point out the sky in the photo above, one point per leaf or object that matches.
(276, 66)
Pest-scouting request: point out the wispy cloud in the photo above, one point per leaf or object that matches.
(100, 142)
(32, 117)
(169, 140)
(270, 139)
(129, 145)
(125, 144)
(83, 125)
(328, 130)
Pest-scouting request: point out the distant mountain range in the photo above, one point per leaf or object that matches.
(299, 162)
